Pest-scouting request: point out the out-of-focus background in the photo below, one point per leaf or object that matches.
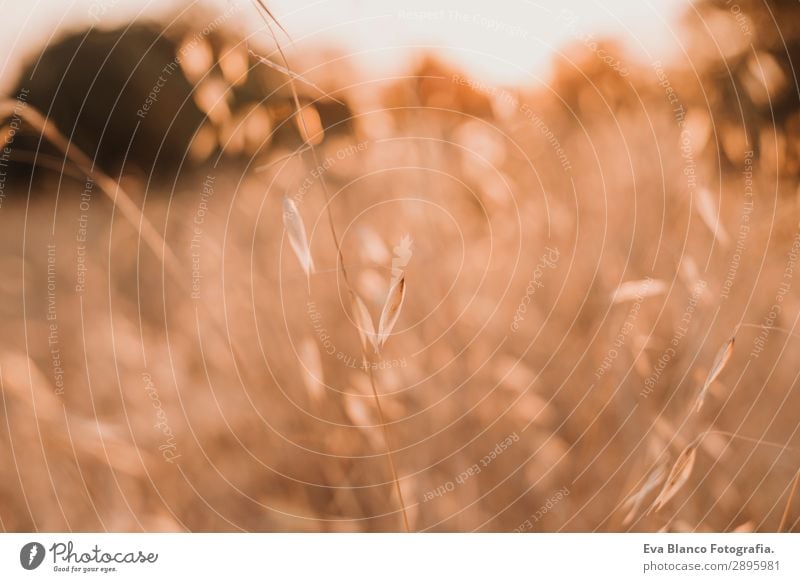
(593, 207)
(511, 43)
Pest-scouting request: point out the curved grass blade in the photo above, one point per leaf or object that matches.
(366, 329)
(391, 311)
(720, 361)
(297, 236)
(678, 476)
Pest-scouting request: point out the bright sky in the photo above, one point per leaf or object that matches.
(501, 41)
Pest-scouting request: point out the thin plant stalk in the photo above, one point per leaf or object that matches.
(267, 17)
(734, 436)
(108, 185)
(788, 507)
(387, 438)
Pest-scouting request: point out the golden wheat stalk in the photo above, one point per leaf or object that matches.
(268, 18)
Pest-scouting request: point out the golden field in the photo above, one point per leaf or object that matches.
(575, 255)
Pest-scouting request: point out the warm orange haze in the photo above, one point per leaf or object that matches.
(470, 268)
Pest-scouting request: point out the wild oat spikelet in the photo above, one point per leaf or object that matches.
(636, 499)
(366, 329)
(391, 311)
(297, 236)
(720, 361)
(678, 477)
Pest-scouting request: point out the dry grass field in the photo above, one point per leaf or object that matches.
(576, 256)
